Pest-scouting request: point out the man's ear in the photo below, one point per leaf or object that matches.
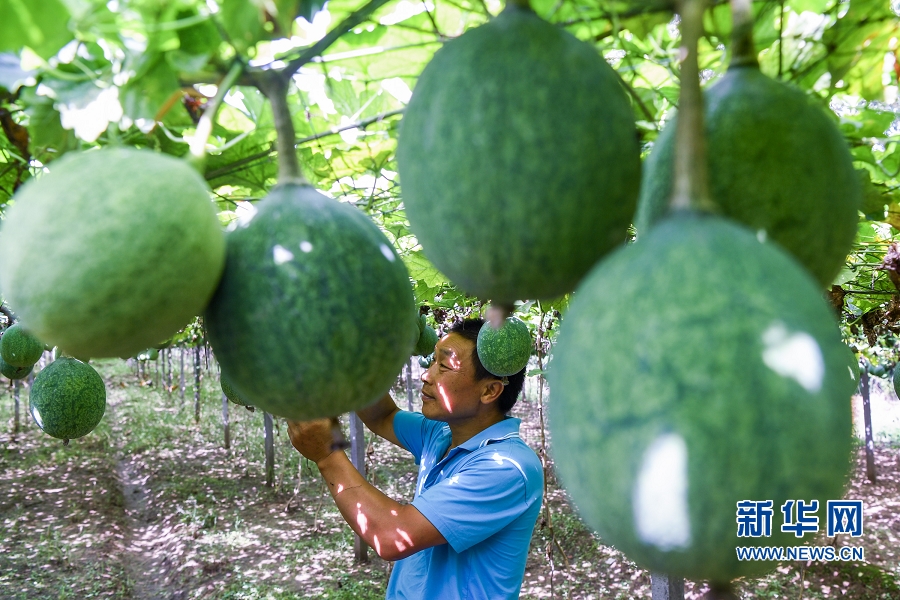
(491, 390)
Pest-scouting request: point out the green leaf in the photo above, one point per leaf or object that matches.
(421, 269)
(42, 26)
(243, 21)
(151, 87)
(868, 123)
(45, 132)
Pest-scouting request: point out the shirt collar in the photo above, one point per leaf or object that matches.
(507, 428)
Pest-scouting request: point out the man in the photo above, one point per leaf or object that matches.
(479, 491)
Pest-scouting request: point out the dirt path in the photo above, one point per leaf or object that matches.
(147, 546)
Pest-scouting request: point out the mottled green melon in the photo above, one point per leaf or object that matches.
(11, 372)
(315, 315)
(231, 393)
(518, 159)
(428, 339)
(696, 369)
(504, 351)
(420, 323)
(68, 399)
(19, 348)
(777, 163)
(137, 251)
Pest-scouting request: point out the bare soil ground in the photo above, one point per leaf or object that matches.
(152, 506)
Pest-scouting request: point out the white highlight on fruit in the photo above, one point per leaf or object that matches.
(762, 235)
(282, 254)
(306, 246)
(37, 417)
(794, 355)
(387, 253)
(659, 498)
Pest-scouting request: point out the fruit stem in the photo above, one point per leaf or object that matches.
(523, 4)
(743, 50)
(197, 155)
(498, 313)
(274, 85)
(691, 186)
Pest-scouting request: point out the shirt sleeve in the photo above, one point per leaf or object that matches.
(482, 498)
(412, 430)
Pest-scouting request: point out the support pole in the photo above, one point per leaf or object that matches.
(181, 360)
(196, 384)
(16, 386)
(663, 587)
(358, 458)
(409, 385)
(270, 449)
(867, 419)
(225, 423)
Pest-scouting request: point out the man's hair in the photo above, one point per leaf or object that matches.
(469, 329)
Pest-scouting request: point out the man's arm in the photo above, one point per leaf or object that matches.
(394, 530)
(379, 418)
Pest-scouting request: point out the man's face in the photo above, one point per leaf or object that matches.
(449, 389)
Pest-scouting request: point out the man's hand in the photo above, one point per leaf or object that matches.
(313, 439)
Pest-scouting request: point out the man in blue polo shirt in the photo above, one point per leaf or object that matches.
(479, 490)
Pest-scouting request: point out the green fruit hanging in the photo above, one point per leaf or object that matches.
(232, 394)
(136, 251)
(670, 408)
(315, 315)
(518, 159)
(11, 372)
(19, 348)
(428, 339)
(777, 164)
(68, 399)
(504, 351)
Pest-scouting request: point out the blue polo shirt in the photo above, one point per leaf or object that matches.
(484, 497)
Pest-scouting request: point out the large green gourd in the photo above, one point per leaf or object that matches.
(19, 348)
(518, 159)
(777, 164)
(315, 314)
(696, 369)
(111, 251)
(68, 399)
